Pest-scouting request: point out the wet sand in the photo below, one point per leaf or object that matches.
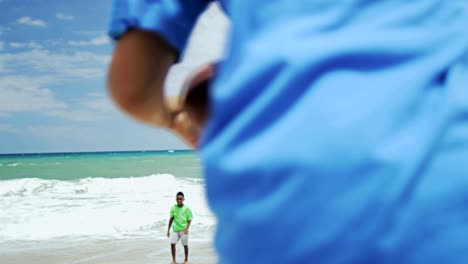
(117, 251)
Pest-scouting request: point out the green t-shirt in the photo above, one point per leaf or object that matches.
(181, 216)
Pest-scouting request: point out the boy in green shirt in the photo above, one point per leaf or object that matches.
(181, 216)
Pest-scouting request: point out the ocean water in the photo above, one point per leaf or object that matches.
(106, 195)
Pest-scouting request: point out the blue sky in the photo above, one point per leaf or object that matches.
(53, 61)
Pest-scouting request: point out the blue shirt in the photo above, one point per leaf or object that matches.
(339, 131)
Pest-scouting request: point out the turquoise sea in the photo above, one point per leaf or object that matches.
(73, 166)
(103, 195)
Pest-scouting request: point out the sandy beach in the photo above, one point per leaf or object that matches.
(96, 251)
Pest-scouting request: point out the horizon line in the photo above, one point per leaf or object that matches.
(93, 152)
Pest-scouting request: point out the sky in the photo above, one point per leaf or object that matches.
(54, 56)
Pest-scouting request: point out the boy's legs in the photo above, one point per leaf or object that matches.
(173, 251)
(184, 238)
(175, 236)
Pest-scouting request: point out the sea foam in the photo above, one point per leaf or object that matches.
(35, 209)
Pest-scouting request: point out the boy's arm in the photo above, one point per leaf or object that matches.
(169, 226)
(189, 220)
(188, 225)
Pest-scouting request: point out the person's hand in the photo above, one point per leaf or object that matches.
(186, 128)
(186, 231)
(191, 109)
(168, 234)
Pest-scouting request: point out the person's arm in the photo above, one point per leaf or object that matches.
(140, 64)
(189, 220)
(169, 226)
(150, 35)
(188, 225)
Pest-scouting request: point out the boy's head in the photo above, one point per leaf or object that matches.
(180, 198)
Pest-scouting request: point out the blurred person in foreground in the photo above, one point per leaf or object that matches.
(337, 131)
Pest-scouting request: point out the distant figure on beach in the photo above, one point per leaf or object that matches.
(180, 219)
(337, 130)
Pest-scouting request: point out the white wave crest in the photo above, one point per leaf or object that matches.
(99, 207)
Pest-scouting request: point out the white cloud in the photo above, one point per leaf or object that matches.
(30, 45)
(92, 107)
(4, 127)
(4, 115)
(83, 65)
(31, 22)
(97, 41)
(9, 128)
(27, 94)
(63, 16)
(4, 29)
(89, 32)
(98, 103)
(21, 93)
(56, 136)
(76, 115)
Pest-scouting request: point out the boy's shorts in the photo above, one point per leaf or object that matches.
(175, 236)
